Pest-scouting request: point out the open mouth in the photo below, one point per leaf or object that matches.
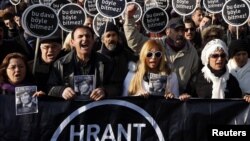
(18, 75)
(83, 46)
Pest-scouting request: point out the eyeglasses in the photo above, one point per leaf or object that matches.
(16, 66)
(157, 54)
(187, 29)
(223, 55)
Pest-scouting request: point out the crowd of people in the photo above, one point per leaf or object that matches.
(200, 56)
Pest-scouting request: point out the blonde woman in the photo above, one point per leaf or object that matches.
(152, 60)
(66, 44)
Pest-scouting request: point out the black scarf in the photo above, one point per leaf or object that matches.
(112, 53)
(217, 73)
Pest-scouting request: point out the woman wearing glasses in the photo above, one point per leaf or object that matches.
(153, 62)
(214, 81)
(14, 71)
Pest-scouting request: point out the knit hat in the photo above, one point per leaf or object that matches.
(110, 27)
(236, 46)
(211, 47)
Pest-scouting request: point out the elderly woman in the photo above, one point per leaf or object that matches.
(239, 65)
(14, 71)
(214, 81)
(153, 62)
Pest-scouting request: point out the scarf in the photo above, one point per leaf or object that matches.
(112, 53)
(219, 82)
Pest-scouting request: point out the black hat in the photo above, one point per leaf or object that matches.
(51, 39)
(110, 27)
(236, 46)
(176, 22)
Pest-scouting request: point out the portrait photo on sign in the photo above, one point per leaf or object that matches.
(25, 102)
(157, 84)
(83, 84)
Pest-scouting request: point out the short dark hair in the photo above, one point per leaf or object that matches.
(84, 27)
(8, 16)
(189, 20)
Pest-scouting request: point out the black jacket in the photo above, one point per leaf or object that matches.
(121, 57)
(65, 68)
(42, 70)
(203, 89)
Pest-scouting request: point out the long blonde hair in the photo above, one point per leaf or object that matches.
(163, 68)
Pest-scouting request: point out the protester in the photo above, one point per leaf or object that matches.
(197, 16)
(181, 55)
(67, 43)
(80, 61)
(49, 51)
(120, 55)
(215, 81)
(12, 30)
(232, 33)
(212, 32)
(152, 60)
(191, 34)
(13, 45)
(205, 22)
(239, 65)
(14, 71)
(89, 21)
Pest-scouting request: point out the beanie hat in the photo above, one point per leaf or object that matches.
(211, 47)
(110, 27)
(236, 46)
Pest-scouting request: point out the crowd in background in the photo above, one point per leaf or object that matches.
(201, 55)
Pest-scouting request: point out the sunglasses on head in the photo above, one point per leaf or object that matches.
(187, 29)
(157, 54)
(223, 55)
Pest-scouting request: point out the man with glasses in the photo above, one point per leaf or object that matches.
(180, 52)
(49, 51)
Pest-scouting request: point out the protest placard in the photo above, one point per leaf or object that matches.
(155, 20)
(70, 16)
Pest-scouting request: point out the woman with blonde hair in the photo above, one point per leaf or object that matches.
(66, 44)
(152, 62)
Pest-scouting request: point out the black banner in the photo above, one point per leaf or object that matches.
(125, 119)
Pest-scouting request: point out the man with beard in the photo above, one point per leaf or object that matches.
(81, 60)
(182, 55)
(120, 55)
